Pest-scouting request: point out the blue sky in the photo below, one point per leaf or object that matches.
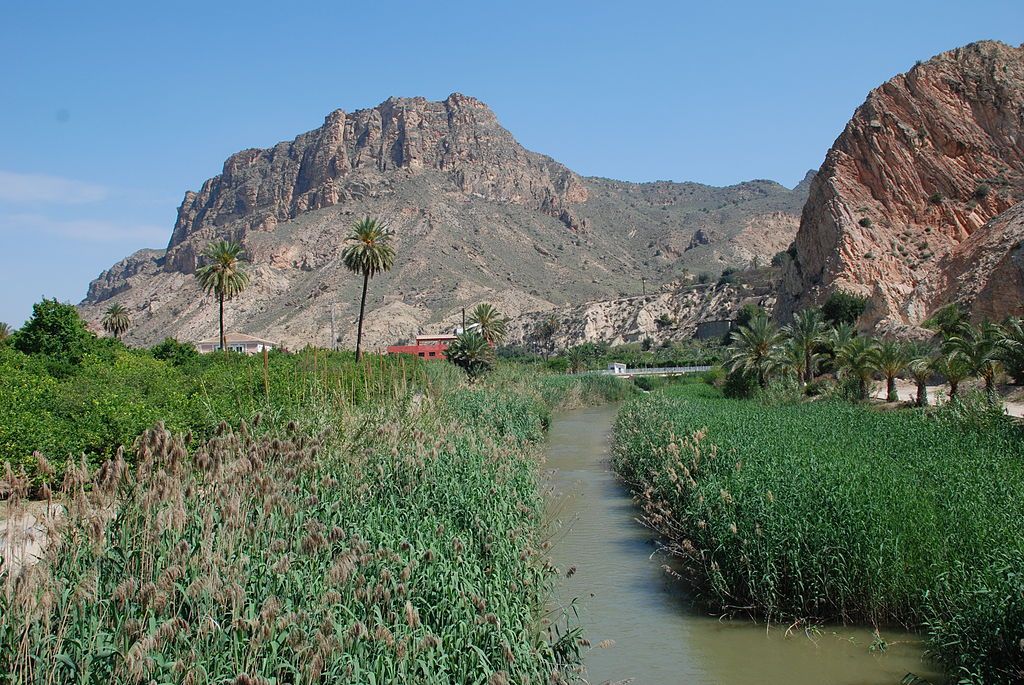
(112, 110)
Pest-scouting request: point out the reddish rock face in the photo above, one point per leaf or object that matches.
(927, 161)
(349, 156)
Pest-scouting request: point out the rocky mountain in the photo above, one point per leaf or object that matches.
(477, 217)
(912, 206)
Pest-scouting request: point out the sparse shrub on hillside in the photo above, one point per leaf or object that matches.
(936, 198)
(865, 222)
(703, 278)
(982, 191)
(728, 276)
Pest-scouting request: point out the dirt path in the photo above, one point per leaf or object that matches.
(907, 392)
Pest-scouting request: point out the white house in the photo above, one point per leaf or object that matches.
(617, 367)
(237, 342)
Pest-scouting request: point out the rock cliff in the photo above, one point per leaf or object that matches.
(923, 167)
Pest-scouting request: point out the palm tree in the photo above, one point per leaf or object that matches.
(368, 252)
(576, 358)
(921, 366)
(5, 331)
(471, 352)
(116, 320)
(223, 275)
(806, 333)
(757, 348)
(946, 320)
(858, 358)
(954, 368)
(892, 358)
(981, 349)
(487, 321)
(1012, 355)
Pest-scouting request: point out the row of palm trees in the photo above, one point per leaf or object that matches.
(809, 344)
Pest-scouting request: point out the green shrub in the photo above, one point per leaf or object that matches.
(739, 385)
(175, 352)
(843, 307)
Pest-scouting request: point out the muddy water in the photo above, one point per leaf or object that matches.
(623, 595)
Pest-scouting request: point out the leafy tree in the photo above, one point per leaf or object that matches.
(368, 252)
(892, 358)
(728, 276)
(116, 320)
(472, 353)
(647, 343)
(756, 349)
(56, 330)
(544, 334)
(806, 332)
(858, 359)
(224, 275)
(843, 307)
(946, 320)
(664, 321)
(175, 352)
(748, 313)
(981, 348)
(703, 278)
(488, 322)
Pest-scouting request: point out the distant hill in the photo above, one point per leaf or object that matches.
(477, 218)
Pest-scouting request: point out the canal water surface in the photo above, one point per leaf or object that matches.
(624, 596)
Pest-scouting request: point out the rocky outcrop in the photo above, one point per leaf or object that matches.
(669, 315)
(985, 274)
(351, 155)
(925, 163)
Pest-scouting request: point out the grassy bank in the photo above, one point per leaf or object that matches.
(386, 533)
(837, 512)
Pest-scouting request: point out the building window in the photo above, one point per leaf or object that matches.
(420, 354)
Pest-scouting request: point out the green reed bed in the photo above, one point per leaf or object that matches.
(837, 512)
(400, 545)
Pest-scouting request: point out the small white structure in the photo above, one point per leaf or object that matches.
(617, 367)
(236, 342)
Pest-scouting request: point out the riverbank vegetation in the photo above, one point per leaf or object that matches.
(832, 511)
(294, 518)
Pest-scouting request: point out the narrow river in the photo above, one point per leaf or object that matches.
(624, 596)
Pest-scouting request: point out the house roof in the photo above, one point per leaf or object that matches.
(236, 338)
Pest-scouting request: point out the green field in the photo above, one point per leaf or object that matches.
(836, 512)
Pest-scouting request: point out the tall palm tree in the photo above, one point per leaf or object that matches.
(116, 320)
(471, 352)
(892, 358)
(486, 320)
(5, 331)
(806, 333)
(368, 252)
(981, 348)
(858, 358)
(757, 348)
(223, 275)
(921, 366)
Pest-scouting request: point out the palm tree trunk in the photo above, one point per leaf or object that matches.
(922, 394)
(953, 386)
(808, 369)
(362, 308)
(862, 385)
(891, 394)
(223, 338)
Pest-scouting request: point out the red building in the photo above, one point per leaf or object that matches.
(427, 346)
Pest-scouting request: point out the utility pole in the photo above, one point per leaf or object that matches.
(463, 319)
(643, 283)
